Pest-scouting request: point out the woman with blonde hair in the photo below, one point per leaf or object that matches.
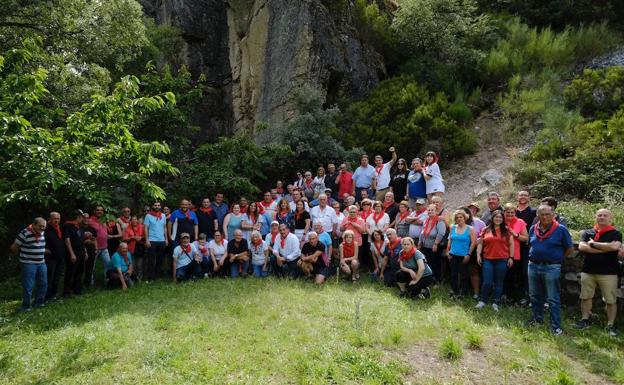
(259, 255)
(349, 263)
(414, 277)
(462, 241)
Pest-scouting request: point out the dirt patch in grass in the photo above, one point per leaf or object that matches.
(482, 367)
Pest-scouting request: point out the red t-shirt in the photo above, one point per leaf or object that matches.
(517, 225)
(494, 247)
(130, 232)
(345, 184)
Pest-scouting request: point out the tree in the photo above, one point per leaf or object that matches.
(92, 156)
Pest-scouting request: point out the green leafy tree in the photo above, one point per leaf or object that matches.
(87, 160)
(597, 92)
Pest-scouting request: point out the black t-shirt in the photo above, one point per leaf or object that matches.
(300, 223)
(399, 185)
(330, 182)
(527, 215)
(233, 248)
(76, 237)
(308, 249)
(603, 263)
(206, 223)
(55, 244)
(392, 211)
(93, 235)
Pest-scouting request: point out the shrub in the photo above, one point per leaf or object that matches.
(402, 113)
(597, 93)
(451, 349)
(475, 340)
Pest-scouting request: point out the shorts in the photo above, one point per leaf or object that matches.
(608, 285)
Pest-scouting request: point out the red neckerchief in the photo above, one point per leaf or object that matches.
(283, 242)
(379, 169)
(365, 214)
(205, 210)
(308, 185)
(273, 236)
(257, 242)
(392, 246)
(378, 245)
(37, 235)
(73, 223)
(548, 233)
(220, 243)
(125, 257)
(406, 256)
(202, 248)
(243, 209)
(377, 217)
(284, 214)
(265, 205)
(124, 220)
(136, 231)
(429, 224)
(56, 228)
(157, 214)
(403, 216)
(186, 249)
(187, 214)
(386, 205)
(601, 231)
(279, 190)
(348, 250)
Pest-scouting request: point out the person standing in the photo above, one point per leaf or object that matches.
(462, 242)
(600, 246)
(330, 180)
(207, 219)
(416, 184)
(54, 254)
(363, 178)
(324, 213)
(514, 279)
(30, 245)
(527, 214)
(124, 219)
(156, 241)
(493, 204)
(381, 183)
(433, 176)
(75, 255)
(344, 181)
(89, 235)
(98, 222)
(220, 209)
(134, 237)
(550, 243)
(398, 180)
(430, 240)
(183, 220)
(268, 205)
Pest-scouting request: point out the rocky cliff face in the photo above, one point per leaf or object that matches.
(256, 53)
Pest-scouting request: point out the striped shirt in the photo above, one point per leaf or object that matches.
(32, 250)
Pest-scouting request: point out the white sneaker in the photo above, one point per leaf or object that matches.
(495, 307)
(480, 305)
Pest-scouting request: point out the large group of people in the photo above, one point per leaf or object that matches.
(387, 222)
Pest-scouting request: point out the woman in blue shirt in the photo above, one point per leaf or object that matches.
(462, 241)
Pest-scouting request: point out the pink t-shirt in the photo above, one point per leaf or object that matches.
(348, 225)
(102, 232)
(517, 225)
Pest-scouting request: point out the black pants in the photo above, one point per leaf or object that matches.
(434, 261)
(114, 281)
(154, 258)
(459, 275)
(288, 269)
(364, 255)
(415, 289)
(55, 272)
(514, 282)
(89, 266)
(74, 274)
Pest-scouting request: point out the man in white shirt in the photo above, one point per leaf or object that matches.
(286, 253)
(296, 195)
(324, 214)
(382, 175)
(269, 205)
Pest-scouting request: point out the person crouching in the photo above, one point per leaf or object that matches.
(120, 269)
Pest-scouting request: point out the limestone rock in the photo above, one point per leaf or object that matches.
(493, 177)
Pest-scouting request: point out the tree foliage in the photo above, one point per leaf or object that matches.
(597, 92)
(86, 159)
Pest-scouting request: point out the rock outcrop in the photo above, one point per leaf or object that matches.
(257, 53)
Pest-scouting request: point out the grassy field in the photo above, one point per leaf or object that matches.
(221, 331)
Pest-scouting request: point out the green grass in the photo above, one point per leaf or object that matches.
(451, 349)
(284, 332)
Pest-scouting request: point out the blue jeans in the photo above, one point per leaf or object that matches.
(258, 272)
(31, 273)
(105, 257)
(192, 270)
(544, 287)
(234, 268)
(494, 271)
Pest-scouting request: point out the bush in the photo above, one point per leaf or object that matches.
(475, 340)
(597, 93)
(402, 113)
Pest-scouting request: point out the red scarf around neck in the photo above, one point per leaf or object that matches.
(124, 220)
(298, 214)
(257, 242)
(365, 214)
(405, 256)
(377, 217)
(273, 236)
(379, 169)
(403, 216)
(548, 233)
(601, 231)
(393, 245)
(73, 223)
(378, 245)
(283, 213)
(348, 250)
(387, 205)
(429, 225)
(125, 257)
(187, 214)
(156, 214)
(57, 229)
(205, 210)
(186, 249)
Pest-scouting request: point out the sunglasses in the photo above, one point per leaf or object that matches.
(366, 204)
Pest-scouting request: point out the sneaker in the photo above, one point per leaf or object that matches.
(612, 331)
(533, 322)
(581, 324)
(475, 297)
(205, 275)
(495, 307)
(546, 306)
(426, 292)
(523, 302)
(480, 305)
(557, 332)
(39, 305)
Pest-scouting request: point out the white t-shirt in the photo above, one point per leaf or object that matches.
(327, 216)
(183, 258)
(372, 226)
(219, 250)
(337, 221)
(414, 229)
(383, 176)
(257, 253)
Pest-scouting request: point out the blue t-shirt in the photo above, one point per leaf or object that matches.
(460, 243)
(326, 240)
(155, 227)
(118, 262)
(552, 248)
(265, 225)
(220, 211)
(363, 177)
(416, 185)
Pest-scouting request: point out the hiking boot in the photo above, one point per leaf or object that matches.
(426, 293)
(581, 324)
(612, 331)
